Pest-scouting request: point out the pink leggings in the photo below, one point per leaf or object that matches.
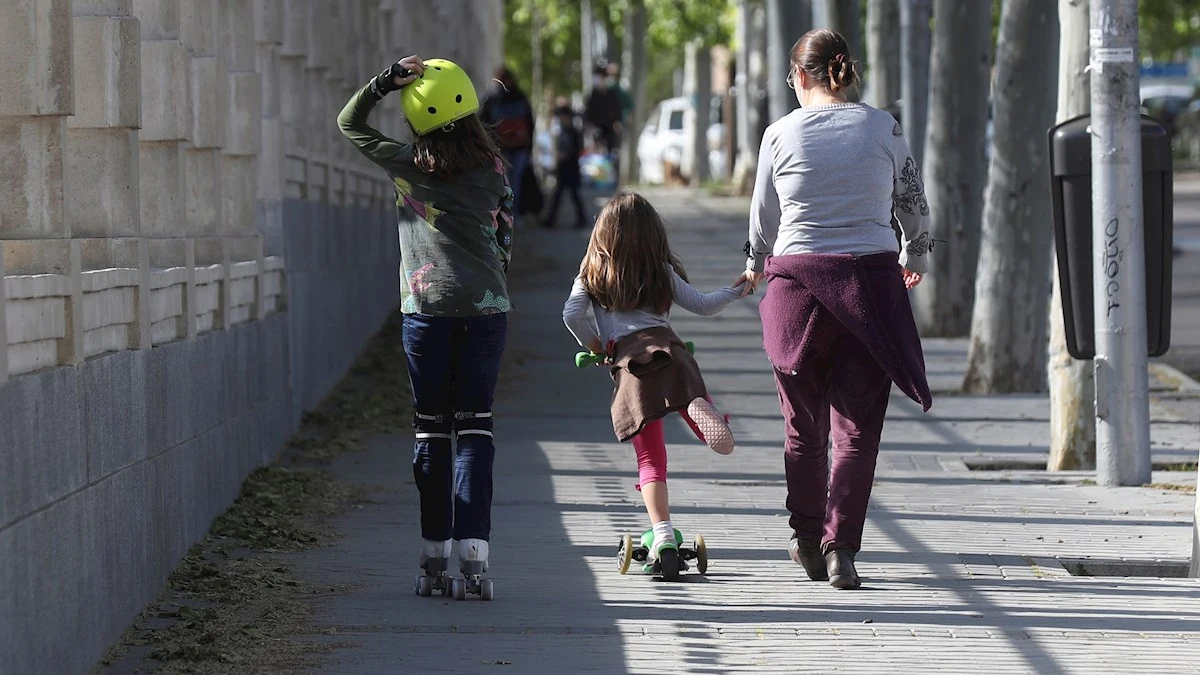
(652, 450)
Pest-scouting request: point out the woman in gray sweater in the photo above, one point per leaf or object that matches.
(837, 324)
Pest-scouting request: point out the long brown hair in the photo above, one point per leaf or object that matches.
(455, 149)
(626, 264)
(825, 56)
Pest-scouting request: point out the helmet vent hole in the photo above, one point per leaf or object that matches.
(458, 99)
(437, 67)
(432, 110)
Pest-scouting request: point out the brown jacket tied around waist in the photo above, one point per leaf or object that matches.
(655, 375)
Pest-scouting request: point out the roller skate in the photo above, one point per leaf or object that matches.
(668, 562)
(473, 562)
(434, 558)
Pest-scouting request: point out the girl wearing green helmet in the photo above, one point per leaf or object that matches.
(455, 236)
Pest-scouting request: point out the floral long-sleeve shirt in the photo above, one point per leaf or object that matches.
(455, 235)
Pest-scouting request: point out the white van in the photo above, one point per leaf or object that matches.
(662, 139)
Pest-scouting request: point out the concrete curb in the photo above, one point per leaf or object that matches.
(1170, 375)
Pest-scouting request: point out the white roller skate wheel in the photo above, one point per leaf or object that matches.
(424, 586)
(701, 554)
(458, 588)
(485, 589)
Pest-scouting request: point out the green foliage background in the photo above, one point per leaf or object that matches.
(1169, 29)
(671, 24)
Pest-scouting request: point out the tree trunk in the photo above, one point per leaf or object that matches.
(1008, 328)
(956, 164)
(845, 17)
(758, 78)
(787, 20)
(914, 72)
(537, 90)
(1072, 386)
(697, 87)
(634, 69)
(587, 31)
(883, 52)
(750, 64)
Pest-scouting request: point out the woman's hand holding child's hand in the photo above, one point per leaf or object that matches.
(748, 281)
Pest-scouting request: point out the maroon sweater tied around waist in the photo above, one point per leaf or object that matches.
(864, 294)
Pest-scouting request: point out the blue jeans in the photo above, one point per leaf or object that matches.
(516, 159)
(453, 365)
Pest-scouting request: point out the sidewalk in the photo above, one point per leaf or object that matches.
(963, 570)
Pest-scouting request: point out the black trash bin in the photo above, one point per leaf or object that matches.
(1071, 186)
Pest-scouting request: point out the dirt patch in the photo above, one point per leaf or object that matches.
(233, 604)
(1174, 487)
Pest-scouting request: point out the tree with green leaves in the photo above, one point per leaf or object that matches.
(1167, 29)
(670, 26)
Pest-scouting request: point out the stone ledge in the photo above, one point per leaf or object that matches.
(28, 286)
(38, 308)
(94, 281)
(165, 278)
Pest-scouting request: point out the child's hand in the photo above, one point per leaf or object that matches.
(411, 63)
(393, 77)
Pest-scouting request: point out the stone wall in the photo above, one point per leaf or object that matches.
(190, 257)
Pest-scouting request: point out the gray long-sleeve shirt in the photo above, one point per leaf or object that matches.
(616, 325)
(828, 178)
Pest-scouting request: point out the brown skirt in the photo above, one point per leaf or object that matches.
(655, 375)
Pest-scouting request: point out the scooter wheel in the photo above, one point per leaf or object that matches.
(624, 554)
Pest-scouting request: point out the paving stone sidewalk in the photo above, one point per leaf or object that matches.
(965, 570)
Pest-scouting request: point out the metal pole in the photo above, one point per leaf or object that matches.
(1118, 248)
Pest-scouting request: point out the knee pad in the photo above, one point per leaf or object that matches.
(430, 427)
(473, 423)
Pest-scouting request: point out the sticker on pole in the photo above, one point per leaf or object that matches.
(1096, 37)
(1113, 55)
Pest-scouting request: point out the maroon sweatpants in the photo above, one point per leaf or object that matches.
(837, 389)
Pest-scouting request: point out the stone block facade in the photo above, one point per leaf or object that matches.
(190, 258)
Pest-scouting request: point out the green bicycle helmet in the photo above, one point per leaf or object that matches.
(442, 96)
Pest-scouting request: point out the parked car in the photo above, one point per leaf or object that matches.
(662, 140)
(1186, 142)
(1165, 102)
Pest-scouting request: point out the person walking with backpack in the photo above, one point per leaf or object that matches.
(507, 110)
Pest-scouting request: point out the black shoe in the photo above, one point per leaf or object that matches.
(807, 553)
(842, 574)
